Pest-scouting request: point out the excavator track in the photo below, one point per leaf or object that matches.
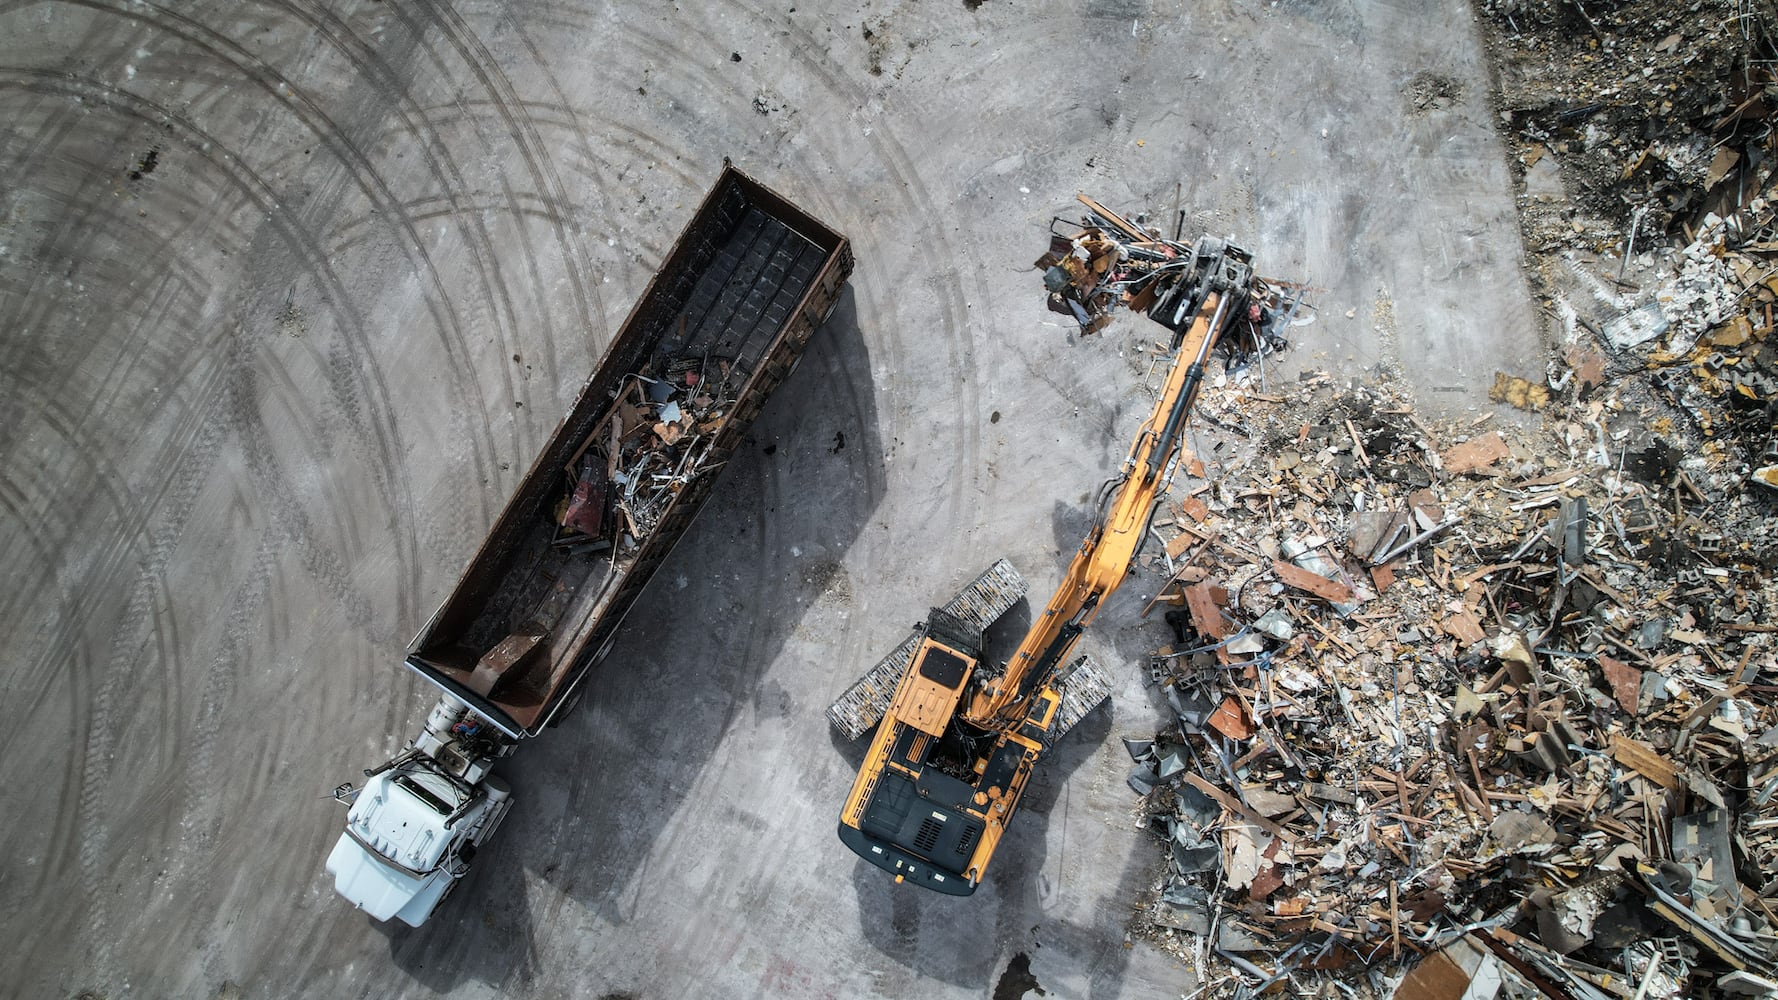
(1083, 687)
(979, 604)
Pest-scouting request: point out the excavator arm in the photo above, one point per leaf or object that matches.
(955, 749)
(1104, 557)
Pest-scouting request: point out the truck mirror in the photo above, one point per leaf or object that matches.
(345, 793)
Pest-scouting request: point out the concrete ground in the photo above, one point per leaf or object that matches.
(290, 293)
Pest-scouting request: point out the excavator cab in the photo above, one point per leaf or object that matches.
(912, 815)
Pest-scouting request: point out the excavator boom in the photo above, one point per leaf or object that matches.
(1103, 559)
(957, 743)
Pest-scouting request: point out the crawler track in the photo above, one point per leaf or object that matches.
(983, 601)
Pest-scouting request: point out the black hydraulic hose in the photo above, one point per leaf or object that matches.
(1046, 664)
(1193, 376)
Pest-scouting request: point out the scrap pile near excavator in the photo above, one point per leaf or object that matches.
(1499, 697)
(1464, 712)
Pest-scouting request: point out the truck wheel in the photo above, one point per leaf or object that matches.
(567, 709)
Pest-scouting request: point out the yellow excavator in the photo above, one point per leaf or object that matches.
(955, 743)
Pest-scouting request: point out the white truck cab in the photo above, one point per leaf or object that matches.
(412, 830)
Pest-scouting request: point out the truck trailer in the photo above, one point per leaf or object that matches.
(718, 328)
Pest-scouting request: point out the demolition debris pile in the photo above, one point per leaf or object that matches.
(1650, 207)
(1460, 706)
(1634, 117)
(1455, 688)
(1696, 356)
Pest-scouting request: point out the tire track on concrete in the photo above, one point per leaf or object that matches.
(89, 769)
(202, 832)
(504, 101)
(47, 403)
(383, 78)
(171, 498)
(911, 188)
(674, 65)
(350, 152)
(49, 407)
(286, 503)
(95, 834)
(539, 165)
(647, 147)
(94, 829)
(588, 155)
(385, 440)
(132, 515)
(243, 399)
(41, 520)
(70, 242)
(355, 231)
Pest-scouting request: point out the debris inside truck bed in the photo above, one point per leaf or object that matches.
(716, 331)
(651, 442)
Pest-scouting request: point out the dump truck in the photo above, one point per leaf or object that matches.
(511, 650)
(956, 738)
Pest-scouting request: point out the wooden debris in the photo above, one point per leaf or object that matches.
(1332, 591)
(1476, 454)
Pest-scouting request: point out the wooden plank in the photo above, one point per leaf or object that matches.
(1162, 596)
(1177, 545)
(1195, 509)
(1472, 576)
(1129, 230)
(1644, 760)
(1205, 601)
(1314, 583)
(1330, 637)
(1239, 808)
(1463, 626)
(1230, 720)
(1553, 479)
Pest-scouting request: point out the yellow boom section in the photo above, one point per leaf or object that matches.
(1103, 560)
